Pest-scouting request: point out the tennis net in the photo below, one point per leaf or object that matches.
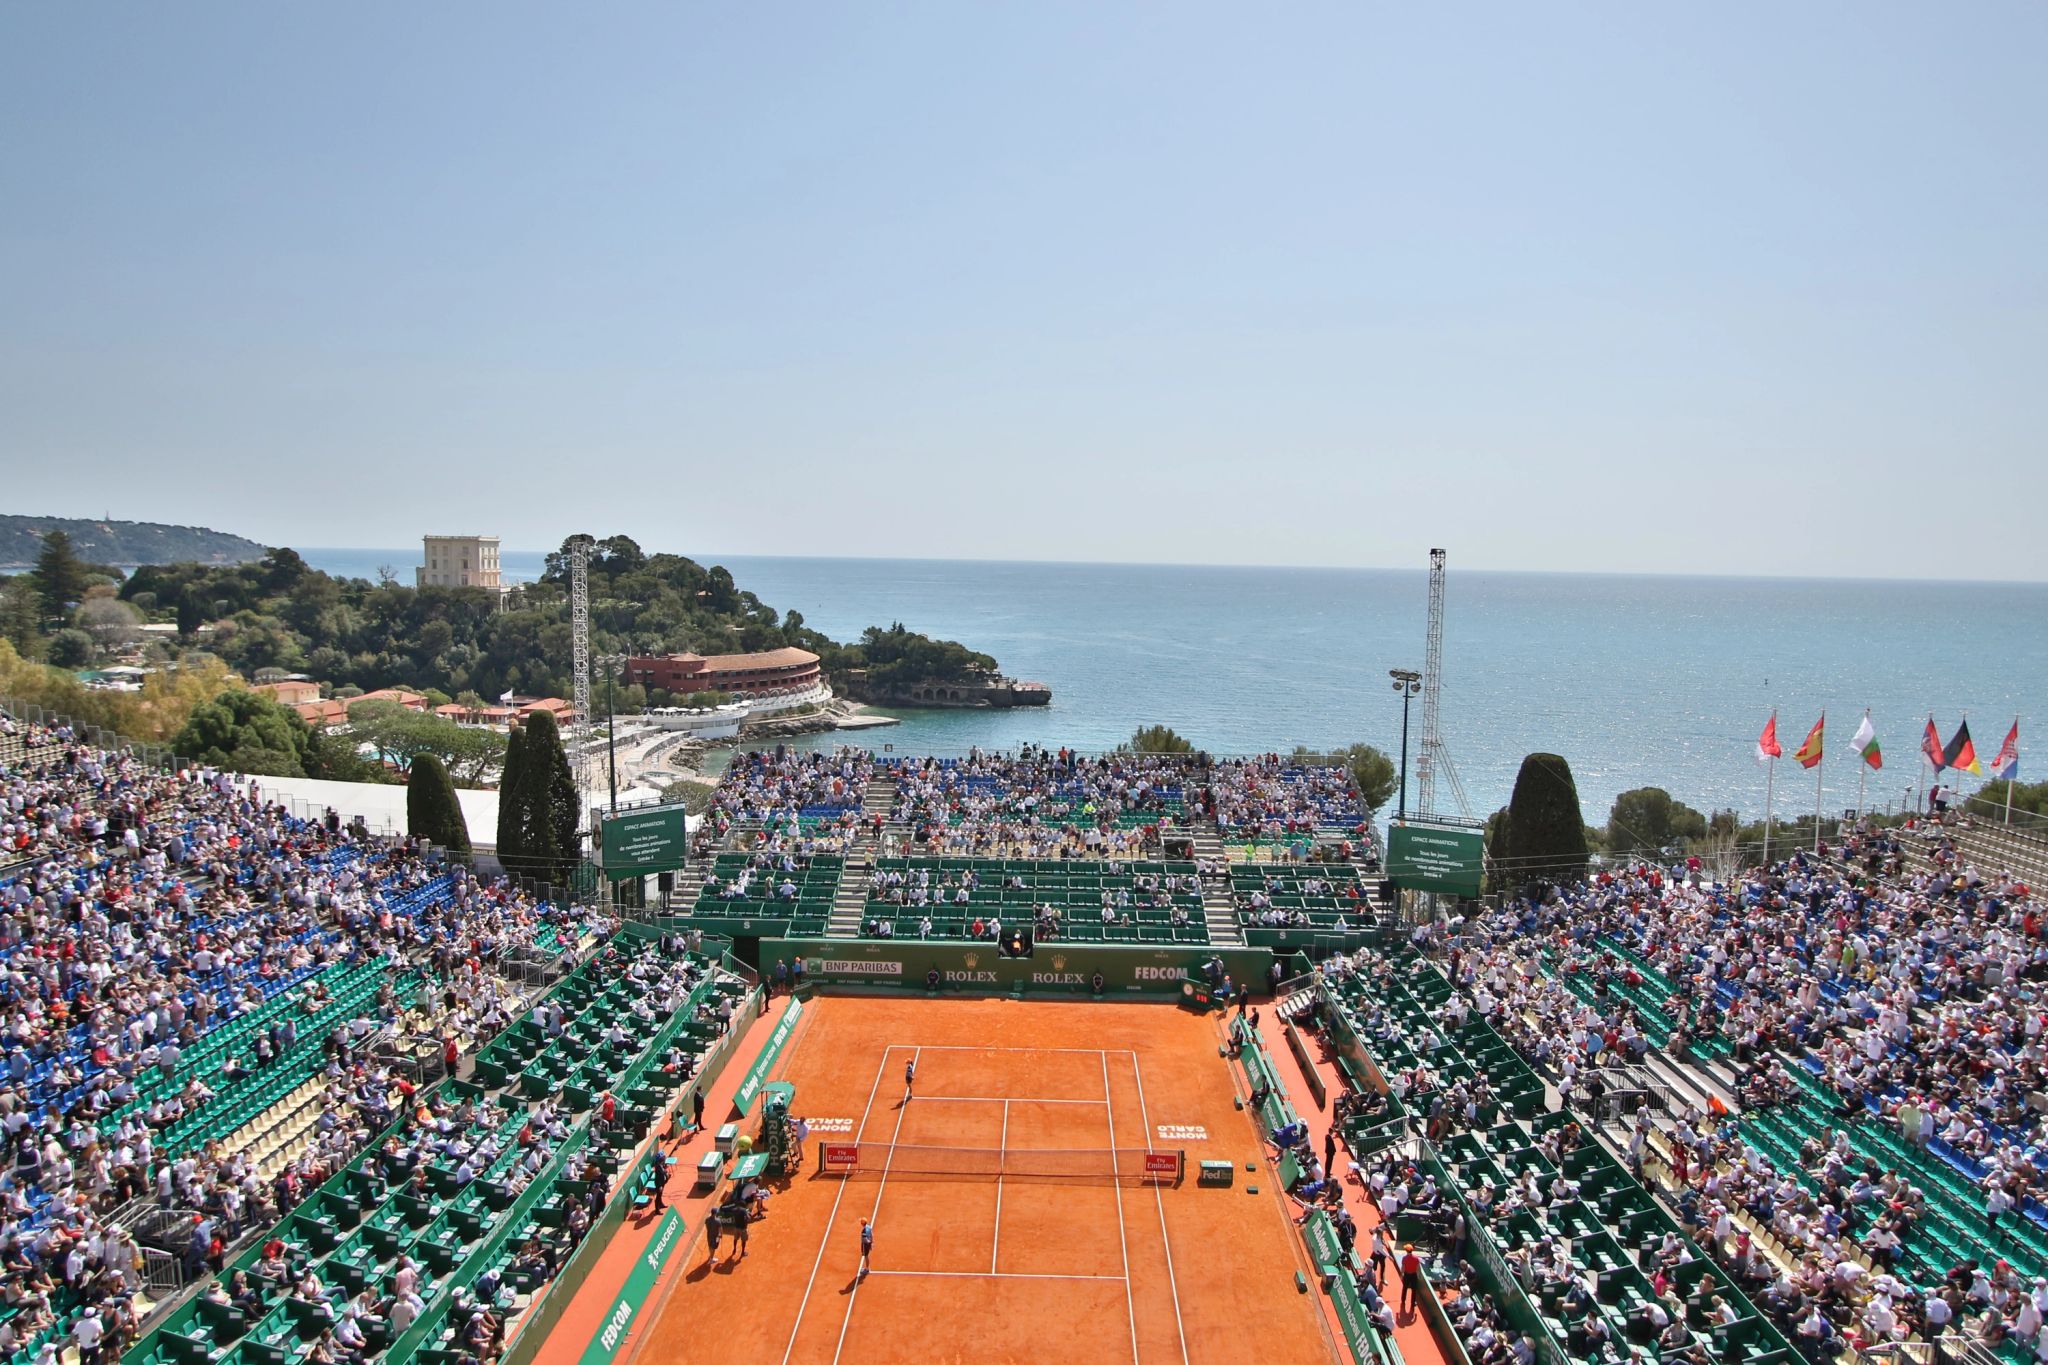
(1106, 1163)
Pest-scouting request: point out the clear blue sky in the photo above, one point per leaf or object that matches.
(1711, 288)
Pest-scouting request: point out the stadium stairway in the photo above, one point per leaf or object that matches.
(1219, 908)
(682, 897)
(851, 896)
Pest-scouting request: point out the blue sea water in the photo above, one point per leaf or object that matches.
(1637, 680)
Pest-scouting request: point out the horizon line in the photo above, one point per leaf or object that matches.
(711, 558)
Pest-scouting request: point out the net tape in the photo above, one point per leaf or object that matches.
(1079, 1162)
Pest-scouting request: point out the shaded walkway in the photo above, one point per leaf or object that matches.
(1411, 1330)
(593, 1300)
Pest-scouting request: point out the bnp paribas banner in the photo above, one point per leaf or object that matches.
(1053, 968)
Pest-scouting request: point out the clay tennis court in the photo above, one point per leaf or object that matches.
(971, 1264)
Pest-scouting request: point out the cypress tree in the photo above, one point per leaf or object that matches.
(431, 809)
(512, 824)
(1542, 834)
(556, 807)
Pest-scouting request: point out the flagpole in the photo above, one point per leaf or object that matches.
(2015, 771)
(1862, 768)
(1770, 777)
(1819, 773)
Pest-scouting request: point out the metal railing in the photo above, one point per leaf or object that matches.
(154, 755)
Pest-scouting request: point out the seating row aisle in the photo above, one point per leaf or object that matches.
(465, 1181)
(1143, 910)
(1953, 1229)
(1602, 989)
(1323, 897)
(807, 910)
(1611, 1225)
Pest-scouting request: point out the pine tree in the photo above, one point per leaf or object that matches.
(60, 575)
(431, 809)
(1542, 834)
(21, 617)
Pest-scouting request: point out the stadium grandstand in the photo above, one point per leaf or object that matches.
(1000, 1040)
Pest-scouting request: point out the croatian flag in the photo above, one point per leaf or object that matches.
(2007, 764)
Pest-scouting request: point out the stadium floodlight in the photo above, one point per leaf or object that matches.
(1407, 682)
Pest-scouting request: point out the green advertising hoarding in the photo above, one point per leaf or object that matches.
(757, 1074)
(1434, 858)
(1056, 968)
(643, 841)
(618, 1324)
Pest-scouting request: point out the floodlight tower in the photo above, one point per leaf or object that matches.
(1433, 757)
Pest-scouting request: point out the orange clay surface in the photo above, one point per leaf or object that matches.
(973, 1268)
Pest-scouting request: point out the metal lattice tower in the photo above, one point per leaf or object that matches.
(1433, 758)
(581, 731)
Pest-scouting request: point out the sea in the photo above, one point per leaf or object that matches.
(1637, 680)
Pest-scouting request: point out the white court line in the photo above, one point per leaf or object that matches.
(963, 1047)
(1005, 1275)
(998, 1099)
(1160, 1200)
(1130, 1309)
(996, 1243)
(876, 1211)
(824, 1236)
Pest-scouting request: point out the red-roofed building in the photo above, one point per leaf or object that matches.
(564, 712)
(404, 696)
(772, 670)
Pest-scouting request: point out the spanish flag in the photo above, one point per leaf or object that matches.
(1808, 753)
(1961, 754)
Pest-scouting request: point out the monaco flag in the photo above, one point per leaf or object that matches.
(1767, 746)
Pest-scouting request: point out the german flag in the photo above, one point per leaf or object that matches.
(1961, 754)
(1930, 745)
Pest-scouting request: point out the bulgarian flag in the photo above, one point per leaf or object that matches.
(1866, 743)
(1961, 754)
(1808, 753)
(1930, 745)
(1767, 746)
(2007, 764)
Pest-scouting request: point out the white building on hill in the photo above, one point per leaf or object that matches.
(460, 562)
